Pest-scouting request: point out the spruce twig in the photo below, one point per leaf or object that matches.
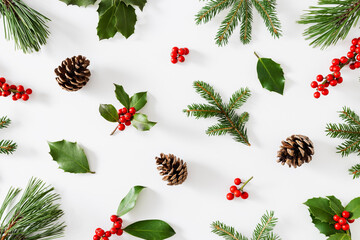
(6, 146)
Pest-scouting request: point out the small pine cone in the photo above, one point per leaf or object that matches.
(73, 74)
(172, 168)
(296, 150)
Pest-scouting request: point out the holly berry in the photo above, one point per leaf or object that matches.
(96, 237)
(132, 110)
(336, 69)
(233, 189)
(128, 116)
(337, 226)
(357, 64)
(28, 91)
(181, 51)
(351, 220)
(321, 87)
(119, 232)
(117, 224)
(113, 230)
(99, 232)
(5, 86)
(119, 220)
(329, 77)
(335, 61)
(25, 97)
(104, 238)
(20, 88)
(354, 41)
(174, 60)
(342, 221)
(343, 60)
(314, 84)
(345, 227)
(337, 74)
(122, 119)
(340, 80)
(186, 51)
(333, 83)
(127, 123)
(237, 193)
(121, 127)
(107, 234)
(352, 48)
(325, 92)
(319, 78)
(336, 218)
(175, 49)
(237, 181)
(345, 214)
(173, 54)
(316, 95)
(181, 59)
(244, 195)
(2, 80)
(113, 218)
(14, 98)
(350, 55)
(352, 66)
(230, 196)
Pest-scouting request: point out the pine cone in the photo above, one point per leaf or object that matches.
(295, 151)
(73, 74)
(172, 168)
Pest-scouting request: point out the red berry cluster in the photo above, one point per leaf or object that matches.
(177, 54)
(352, 59)
(342, 222)
(19, 92)
(238, 192)
(125, 117)
(100, 234)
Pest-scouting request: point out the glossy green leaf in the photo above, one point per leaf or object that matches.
(138, 100)
(141, 122)
(339, 236)
(79, 3)
(139, 3)
(336, 205)
(125, 19)
(109, 112)
(70, 156)
(325, 228)
(271, 75)
(129, 201)
(320, 209)
(122, 96)
(106, 27)
(354, 208)
(150, 230)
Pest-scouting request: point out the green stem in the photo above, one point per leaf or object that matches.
(241, 189)
(256, 55)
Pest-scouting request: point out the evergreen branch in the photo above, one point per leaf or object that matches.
(246, 21)
(349, 146)
(267, 10)
(355, 171)
(229, 233)
(7, 146)
(239, 98)
(207, 92)
(218, 130)
(350, 117)
(4, 122)
(211, 9)
(265, 227)
(202, 111)
(342, 131)
(244, 118)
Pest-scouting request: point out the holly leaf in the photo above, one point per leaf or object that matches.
(324, 228)
(129, 201)
(354, 208)
(339, 236)
(125, 19)
(150, 230)
(80, 3)
(320, 209)
(336, 205)
(106, 27)
(70, 156)
(138, 100)
(122, 96)
(109, 112)
(141, 122)
(271, 75)
(139, 3)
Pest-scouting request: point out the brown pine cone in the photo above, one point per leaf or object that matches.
(172, 168)
(296, 150)
(73, 74)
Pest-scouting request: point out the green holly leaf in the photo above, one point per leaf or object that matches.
(324, 228)
(354, 208)
(125, 19)
(106, 27)
(320, 209)
(109, 112)
(80, 3)
(129, 201)
(339, 236)
(70, 156)
(140, 122)
(122, 96)
(138, 100)
(336, 205)
(150, 230)
(139, 3)
(271, 75)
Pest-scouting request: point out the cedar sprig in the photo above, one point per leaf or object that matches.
(330, 21)
(24, 25)
(263, 231)
(240, 14)
(35, 216)
(6, 146)
(229, 122)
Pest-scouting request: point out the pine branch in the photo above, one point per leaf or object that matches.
(246, 21)
(267, 10)
(7, 146)
(202, 111)
(34, 217)
(229, 233)
(239, 98)
(343, 131)
(24, 25)
(331, 21)
(355, 171)
(350, 117)
(211, 9)
(4, 122)
(263, 230)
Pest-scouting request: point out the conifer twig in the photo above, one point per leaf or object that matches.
(6, 146)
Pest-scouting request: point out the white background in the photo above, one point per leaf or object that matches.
(142, 63)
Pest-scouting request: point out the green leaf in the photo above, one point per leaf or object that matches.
(138, 100)
(141, 122)
(320, 209)
(129, 201)
(150, 230)
(354, 208)
(109, 112)
(324, 228)
(336, 205)
(80, 3)
(106, 27)
(122, 96)
(139, 3)
(339, 236)
(125, 19)
(271, 75)
(70, 156)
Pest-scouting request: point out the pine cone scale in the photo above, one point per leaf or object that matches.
(172, 168)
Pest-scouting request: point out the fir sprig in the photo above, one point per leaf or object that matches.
(263, 231)
(6, 146)
(4, 122)
(35, 216)
(24, 25)
(240, 14)
(229, 121)
(331, 21)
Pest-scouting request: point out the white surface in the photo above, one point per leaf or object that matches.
(143, 63)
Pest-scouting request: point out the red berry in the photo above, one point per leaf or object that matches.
(122, 120)
(345, 214)
(2, 80)
(121, 127)
(128, 123)
(358, 57)
(124, 110)
(335, 61)
(350, 55)
(326, 84)
(237, 181)
(128, 116)
(354, 41)
(230, 196)
(20, 88)
(314, 84)
(357, 64)
(25, 97)
(175, 49)
(13, 87)
(107, 234)
(321, 87)
(173, 54)
(343, 60)
(104, 238)
(351, 220)
(18, 95)
(337, 226)
(186, 51)
(244, 195)
(340, 80)
(28, 91)
(181, 51)
(119, 232)
(113, 230)
(345, 227)
(352, 66)
(325, 92)
(342, 221)
(113, 218)
(358, 42)
(336, 68)
(96, 237)
(357, 50)
(117, 225)
(119, 220)
(99, 232)
(6, 86)
(6, 93)
(174, 60)
(132, 110)
(329, 77)
(181, 59)
(233, 189)
(237, 193)
(352, 48)
(14, 98)
(319, 78)
(316, 95)
(337, 74)
(333, 83)
(331, 68)
(336, 218)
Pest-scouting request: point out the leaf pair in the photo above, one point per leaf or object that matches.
(147, 229)
(114, 16)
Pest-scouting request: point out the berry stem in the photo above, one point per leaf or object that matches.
(241, 189)
(112, 133)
